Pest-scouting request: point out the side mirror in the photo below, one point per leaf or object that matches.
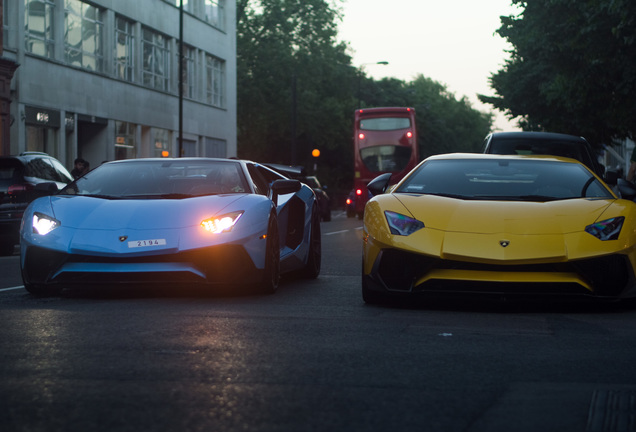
(611, 177)
(282, 187)
(378, 185)
(46, 188)
(626, 189)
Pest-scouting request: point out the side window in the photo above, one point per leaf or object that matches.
(260, 184)
(39, 168)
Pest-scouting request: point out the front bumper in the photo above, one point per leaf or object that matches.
(215, 265)
(400, 272)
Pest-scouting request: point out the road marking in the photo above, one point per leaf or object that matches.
(337, 232)
(12, 288)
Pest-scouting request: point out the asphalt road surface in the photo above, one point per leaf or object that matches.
(312, 357)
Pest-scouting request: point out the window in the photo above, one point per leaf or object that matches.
(215, 12)
(215, 147)
(83, 35)
(156, 60)
(189, 72)
(125, 140)
(215, 81)
(38, 25)
(5, 21)
(162, 143)
(124, 49)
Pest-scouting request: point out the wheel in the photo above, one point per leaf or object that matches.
(360, 216)
(312, 268)
(327, 216)
(42, 290)
(271, 273)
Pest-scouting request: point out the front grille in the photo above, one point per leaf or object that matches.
(608, 276)
(226, 264)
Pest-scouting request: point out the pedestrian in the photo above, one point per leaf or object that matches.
(81, 167)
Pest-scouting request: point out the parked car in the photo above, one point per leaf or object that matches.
(195, 221)
(544, 143)
(499, 225)
(324, 202)
(19, 180)
(300, 173)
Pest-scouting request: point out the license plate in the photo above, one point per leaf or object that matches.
(146, 243)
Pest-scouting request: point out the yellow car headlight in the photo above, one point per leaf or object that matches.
(223, 223)
(400, 224)
(43, 224)
(608, 229)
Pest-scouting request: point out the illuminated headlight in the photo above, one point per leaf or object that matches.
(222, 223)
(402, 225)
(606, 230)
(43, 224)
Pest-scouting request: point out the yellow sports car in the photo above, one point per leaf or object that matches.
(481, 224)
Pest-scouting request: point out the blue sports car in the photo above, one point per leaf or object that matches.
(177, 221)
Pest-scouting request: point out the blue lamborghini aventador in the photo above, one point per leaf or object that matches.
(171, 221)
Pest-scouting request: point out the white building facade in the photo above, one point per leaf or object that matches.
(99, 79)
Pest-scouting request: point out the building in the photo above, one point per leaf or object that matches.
(99, 79)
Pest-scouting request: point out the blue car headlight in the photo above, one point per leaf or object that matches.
(402, 225)
(223, 223)
(608, 229)
(43, 224)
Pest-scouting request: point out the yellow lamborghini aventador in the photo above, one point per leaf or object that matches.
(478, 224)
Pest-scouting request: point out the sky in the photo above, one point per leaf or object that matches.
(450, 41)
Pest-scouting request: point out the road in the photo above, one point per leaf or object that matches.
(312, 357)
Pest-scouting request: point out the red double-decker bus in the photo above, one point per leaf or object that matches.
(385, 140)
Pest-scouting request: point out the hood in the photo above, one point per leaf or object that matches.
(87, 212)
(512, 217)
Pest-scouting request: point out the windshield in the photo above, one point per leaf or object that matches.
(385, 123)
(160, 179)
(504, 179)
(386, 158)
(523, 146)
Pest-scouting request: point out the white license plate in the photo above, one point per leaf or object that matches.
(146, 243)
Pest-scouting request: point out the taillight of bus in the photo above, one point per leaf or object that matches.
(361, 136)
(358, 192)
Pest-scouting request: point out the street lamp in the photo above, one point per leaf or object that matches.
(360, 69)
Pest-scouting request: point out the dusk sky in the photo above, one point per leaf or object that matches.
(453, 42)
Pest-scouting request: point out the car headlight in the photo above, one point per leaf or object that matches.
(402, 225)
(608, 229)
(43, 224)
(223, 223)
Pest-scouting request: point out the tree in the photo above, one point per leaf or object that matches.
(297, 90)
(572, 68)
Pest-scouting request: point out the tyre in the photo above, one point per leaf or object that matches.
(312, 268)
(271, 273)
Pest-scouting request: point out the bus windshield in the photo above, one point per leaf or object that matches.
(385, 123)
(388, 158)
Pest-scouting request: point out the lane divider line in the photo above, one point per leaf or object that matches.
(12, 288)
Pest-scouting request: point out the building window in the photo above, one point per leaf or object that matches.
(214, 11)
(215, 81)
(125, 147)
(162, 143)
(156, 60)
(5, 22)
(38, 26)
(189, 72)
(215, 147)
(83, 35)
(124, 49)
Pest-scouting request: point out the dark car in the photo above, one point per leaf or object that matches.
(544, 143)
(324, 202)
(300, 173)
(19, 180)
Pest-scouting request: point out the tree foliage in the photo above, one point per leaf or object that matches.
(287, 45)
(572, 68)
